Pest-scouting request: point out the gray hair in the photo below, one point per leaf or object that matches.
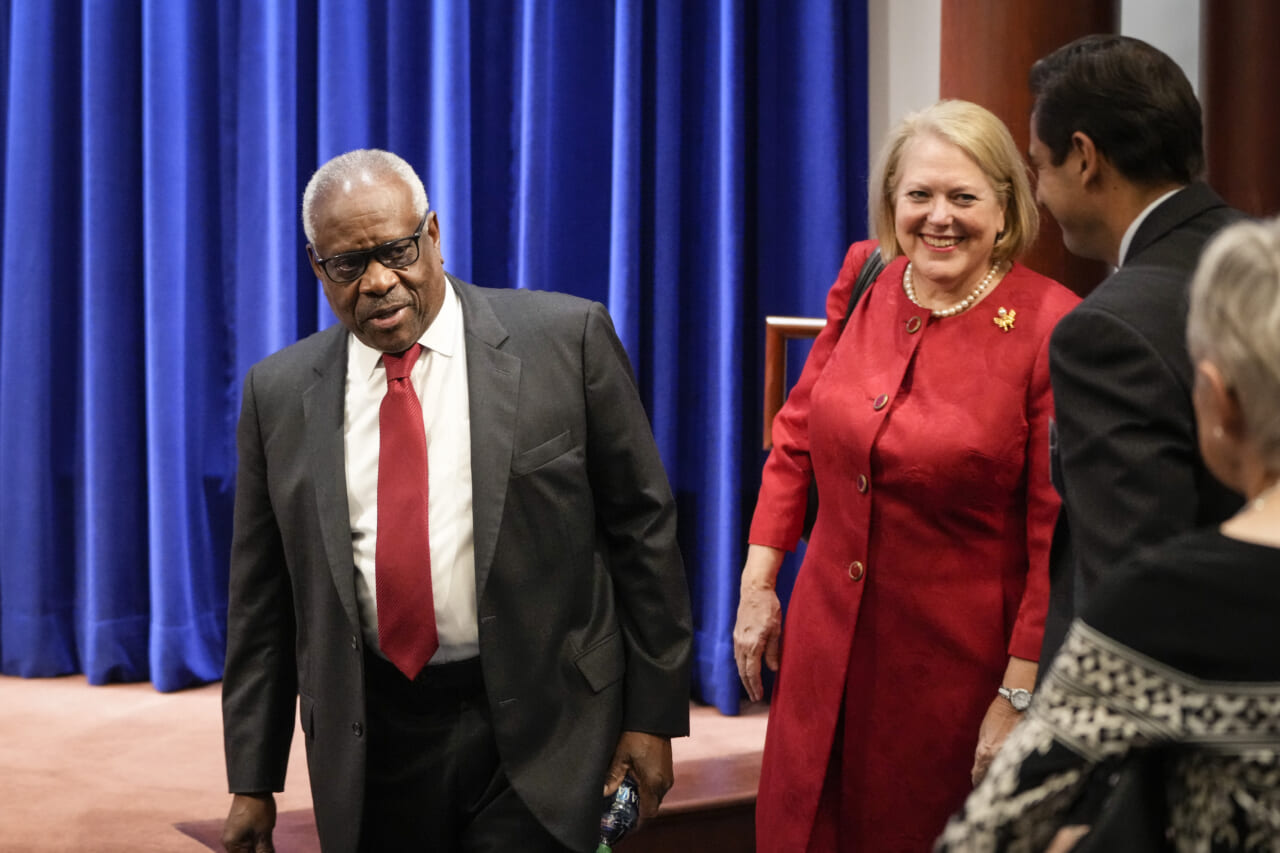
(362, 165)
(1234, 323)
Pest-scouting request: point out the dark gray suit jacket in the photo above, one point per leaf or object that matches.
(583, 609)
(1125, 454)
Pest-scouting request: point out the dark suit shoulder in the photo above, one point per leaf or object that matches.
(1180, 249)
(299, 362)
(1149, 293)
(528, 320)
(1175, 232)
(510, 302)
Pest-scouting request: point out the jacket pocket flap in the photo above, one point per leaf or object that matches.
(535, 457)
(603, 663)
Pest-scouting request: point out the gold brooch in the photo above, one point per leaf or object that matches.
(1004, 319)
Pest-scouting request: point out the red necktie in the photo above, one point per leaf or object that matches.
(402, 562)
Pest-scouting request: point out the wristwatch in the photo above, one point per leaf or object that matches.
(1020, 699)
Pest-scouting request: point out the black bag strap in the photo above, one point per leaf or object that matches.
(871, 269)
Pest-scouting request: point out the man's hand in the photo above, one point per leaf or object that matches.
(996, 725)
(648, 758)
(249, 824)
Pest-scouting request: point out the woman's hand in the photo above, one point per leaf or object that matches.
(996, 725)
(1066, 839)
(1000, 717)
(758, 630)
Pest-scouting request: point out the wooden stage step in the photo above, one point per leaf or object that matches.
(711, 807)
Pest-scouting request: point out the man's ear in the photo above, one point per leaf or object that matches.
(433, 233)
(1088, 158)
(311, 258)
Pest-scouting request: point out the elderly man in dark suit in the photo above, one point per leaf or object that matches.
(1116, 146)
(454, 552)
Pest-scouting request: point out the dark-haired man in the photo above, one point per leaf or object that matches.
(1116, 144)
(454, 553)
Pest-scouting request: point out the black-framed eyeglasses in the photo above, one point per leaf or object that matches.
(393, 254)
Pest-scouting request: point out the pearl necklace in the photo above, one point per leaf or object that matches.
(961, 306)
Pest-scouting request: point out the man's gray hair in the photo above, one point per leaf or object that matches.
(362, 165)
(1234, 323)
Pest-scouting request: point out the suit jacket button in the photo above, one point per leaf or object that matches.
(856, 570)
(913, 325)
(880, 402)
(863, 483)
(357, 729)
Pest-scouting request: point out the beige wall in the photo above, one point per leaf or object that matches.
(905, 40)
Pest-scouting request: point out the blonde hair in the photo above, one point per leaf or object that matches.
(361, 164)
(984, 138)
(1234, 323)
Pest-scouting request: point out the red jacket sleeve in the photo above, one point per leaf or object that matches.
(1042, 513)
(784, 484)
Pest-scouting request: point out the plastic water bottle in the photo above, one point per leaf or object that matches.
(621, 811)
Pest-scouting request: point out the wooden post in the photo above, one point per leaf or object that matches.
(988, 47)
(777, 331)
(1241, 78)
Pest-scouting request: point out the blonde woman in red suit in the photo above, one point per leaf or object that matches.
(913, 632)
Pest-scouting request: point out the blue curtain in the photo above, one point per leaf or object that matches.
(694, 164)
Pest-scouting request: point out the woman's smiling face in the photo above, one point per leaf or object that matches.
(947, 215)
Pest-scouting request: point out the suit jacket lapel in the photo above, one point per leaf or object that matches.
(493, 379)
(322, 406)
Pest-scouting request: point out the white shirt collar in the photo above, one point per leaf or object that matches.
(1137, 223)
(439, 337)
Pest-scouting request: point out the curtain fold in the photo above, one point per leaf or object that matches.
(38, 345)
(447, 145)
(695, 166)
(114, 604)
(188, 467)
